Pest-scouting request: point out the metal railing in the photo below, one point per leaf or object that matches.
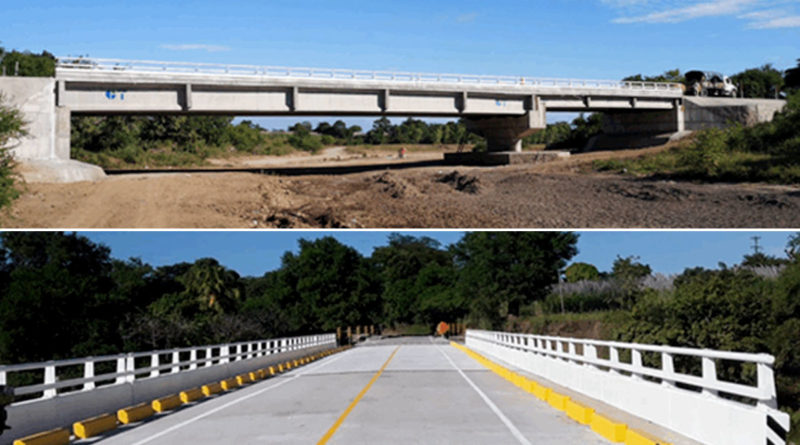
(585, 352)
(129, 366)
(149, 66)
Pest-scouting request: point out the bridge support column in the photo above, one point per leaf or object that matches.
(43, 154)
(506, 133)
(504, 139)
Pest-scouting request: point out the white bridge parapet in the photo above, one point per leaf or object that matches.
(75, 389)
(701, 407)
(149, 66)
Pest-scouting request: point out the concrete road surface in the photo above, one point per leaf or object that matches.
(427, 392)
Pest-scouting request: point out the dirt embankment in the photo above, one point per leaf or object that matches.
(516, 196)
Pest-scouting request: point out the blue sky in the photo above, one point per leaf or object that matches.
(606, 39)
(255, 252)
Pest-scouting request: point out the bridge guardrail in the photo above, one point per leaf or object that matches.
(71, 390)
(732, 413)
(150, 66)
(127, 370)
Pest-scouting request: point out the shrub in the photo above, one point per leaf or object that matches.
(11, 127)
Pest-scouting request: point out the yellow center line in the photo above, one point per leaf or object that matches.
(355, 401)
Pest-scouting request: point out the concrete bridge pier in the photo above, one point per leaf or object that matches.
(504, 139)
(504, 133)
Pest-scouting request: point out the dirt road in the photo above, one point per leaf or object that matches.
(525, 196)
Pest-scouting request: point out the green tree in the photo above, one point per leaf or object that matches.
(581, 272)
(501, 271)
(765, 81)
(12, 127)
(16, 63)
(415, 273)
(668, 76)
(55, 303)
(791, 77)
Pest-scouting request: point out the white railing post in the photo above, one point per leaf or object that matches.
(176, 359)
(223, 354)
(209, 358)
(2, 378)
(613, 357)
(590, 352)
(766, 385)
(193, 358)
(239, 350)
(88, 373)
(130, 368)
(668, 366)
(636, 362)
(49, 379)
(709, 375)
(154, 363)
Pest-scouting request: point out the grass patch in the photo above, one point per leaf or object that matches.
(766, 152)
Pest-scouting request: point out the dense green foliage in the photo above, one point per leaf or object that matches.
(581, 272)
(765, 152)
(415, 131)
(114, 141)
(11, 127)
(765, 81)
(668, 76)
(63, 296)
(564, 135)
(16, 63)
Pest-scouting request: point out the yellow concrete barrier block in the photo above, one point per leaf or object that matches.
(280, 367)
(296, 363)
(190, 395)
(242, 379)
(288, 365)
(135, 413)
(541, 392)
(557, 401)
(166, 403)
(579, 413)
(254, 376)
(53, 437)
(633, 437)
(211, 388)
(94, 426)
(263, 373)
(530, 386)
(271, 370)
(610, 429)
(229, 384)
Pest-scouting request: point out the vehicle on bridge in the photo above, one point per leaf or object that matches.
(710, 83)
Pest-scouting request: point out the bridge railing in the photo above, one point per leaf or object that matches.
(670, 386)
(72, 375)
(149, 66)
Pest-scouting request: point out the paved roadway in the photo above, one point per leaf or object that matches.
(428, 392)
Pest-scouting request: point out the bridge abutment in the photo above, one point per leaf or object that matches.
(43, 155)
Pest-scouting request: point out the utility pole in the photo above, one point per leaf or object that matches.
(755, 246)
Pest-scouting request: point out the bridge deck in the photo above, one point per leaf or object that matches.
(429, 392)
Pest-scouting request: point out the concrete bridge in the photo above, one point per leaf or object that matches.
(503, 109)
(497, 388)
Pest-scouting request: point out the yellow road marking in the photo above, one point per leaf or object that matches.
(355, 401)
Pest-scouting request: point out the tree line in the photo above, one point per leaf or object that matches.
(62, 295)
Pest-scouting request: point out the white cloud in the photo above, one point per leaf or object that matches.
(195, 47)
(759, 14)
(771, 18)
(705, 9)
